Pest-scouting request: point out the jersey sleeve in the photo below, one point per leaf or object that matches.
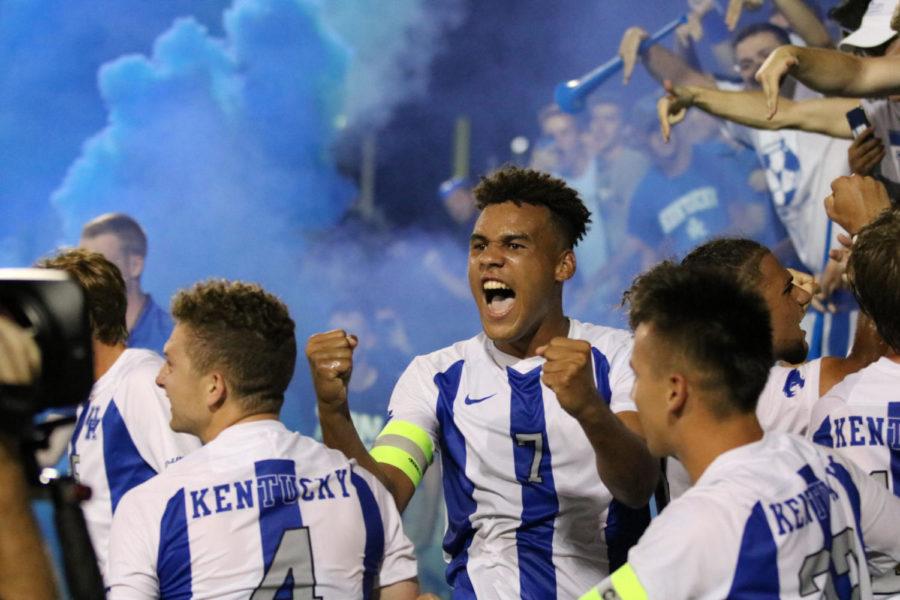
(147, 413)
(399, 562)
(131, 568)
(658, 564)
(789, 397)
(621, 377)
(408, 440)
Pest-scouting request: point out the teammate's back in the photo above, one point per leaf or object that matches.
(255, 506)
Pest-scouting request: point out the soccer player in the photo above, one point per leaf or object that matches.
(770, 514)
(531, 417)
(122, 241)
(259, 511)
(121, 437)
(860, 417)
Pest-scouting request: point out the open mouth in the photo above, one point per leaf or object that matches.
(498, 297)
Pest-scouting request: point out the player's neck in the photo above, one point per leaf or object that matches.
(224, 420)
(554, 325)
(104, 356)
(707, 441)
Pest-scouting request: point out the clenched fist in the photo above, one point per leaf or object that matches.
(569, 373)
(330, 358)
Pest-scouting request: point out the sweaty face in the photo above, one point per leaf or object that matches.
(751, 53)
(183, 385)
(785, 302)
(650, 390)
(513, 258)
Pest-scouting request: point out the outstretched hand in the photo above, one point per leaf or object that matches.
(629, 50)
(735, 10)
(672, 108)
(772, 72)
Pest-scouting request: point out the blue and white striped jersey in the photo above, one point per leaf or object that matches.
(860, 419)
(258, 512)
(777, 518)
(528, 515)
(122, 438)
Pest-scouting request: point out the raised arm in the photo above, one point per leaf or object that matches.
(330, 358)
(662, 64)
(623, 461)
(804, 22)
(825, 115)
(830, 72)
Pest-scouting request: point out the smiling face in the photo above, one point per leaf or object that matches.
(785, 302)
(517, 264)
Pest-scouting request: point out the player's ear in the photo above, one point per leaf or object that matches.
(565, 266)
(215, 389)
(135, 264)
(678, 393)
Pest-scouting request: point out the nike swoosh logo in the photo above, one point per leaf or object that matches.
(477, 400)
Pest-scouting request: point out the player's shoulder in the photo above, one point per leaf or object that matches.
(138, 366)
(604, 338)
(791, 381)
(442, 359)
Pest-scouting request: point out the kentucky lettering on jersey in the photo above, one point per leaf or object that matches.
(122, 438)
(860, 419)
(777, 518)
(527, 513)
(260, 511)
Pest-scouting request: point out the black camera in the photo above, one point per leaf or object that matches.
(53, 307)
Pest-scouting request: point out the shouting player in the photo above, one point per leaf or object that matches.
(259, 511)
(531, 417)
(770, 514)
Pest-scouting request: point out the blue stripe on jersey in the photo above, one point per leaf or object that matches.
(173, 560)
(125, 467)
(276, 481)
(624, 525)
(840, 472)
(374, 553)
(822, 436)
(842, 583)
(756, 574)
(540, 504)
(458, 489)
(894, 448)
(601, 372)
(79, 423)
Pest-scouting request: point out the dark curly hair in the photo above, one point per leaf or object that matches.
(875, 274)
(244, 331)
(721, 328)
(518, 185)
(103, 286)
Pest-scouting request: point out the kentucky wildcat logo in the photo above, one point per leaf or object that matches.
(793, 383)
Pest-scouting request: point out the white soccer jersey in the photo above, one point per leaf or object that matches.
(800, 167)
(258, 512)
(122, 438)
(784, 405)
(778, 518)
(528, 516)
(884, 115)
(860, 418)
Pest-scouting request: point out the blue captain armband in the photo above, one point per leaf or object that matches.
(405, 446)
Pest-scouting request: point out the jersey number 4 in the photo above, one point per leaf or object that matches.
(293, 559)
